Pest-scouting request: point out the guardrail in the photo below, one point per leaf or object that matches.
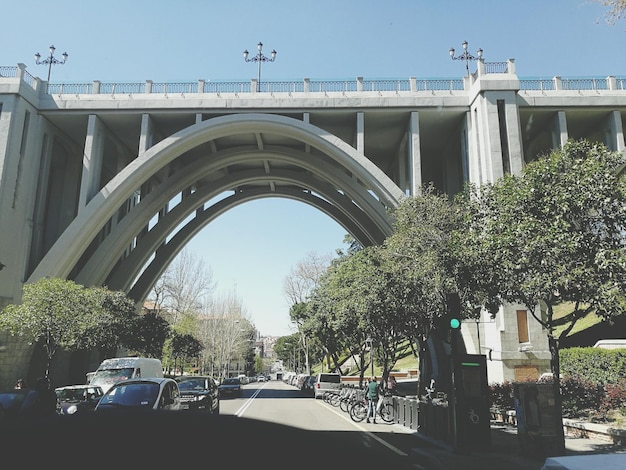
(311, 86)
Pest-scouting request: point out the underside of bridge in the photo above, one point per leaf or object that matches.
(128, 233)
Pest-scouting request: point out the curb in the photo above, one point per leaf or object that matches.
(573, 428)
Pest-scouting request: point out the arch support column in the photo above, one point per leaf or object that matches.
(415, 163)
(92, 162)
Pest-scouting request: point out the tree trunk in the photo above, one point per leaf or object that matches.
(555, 366)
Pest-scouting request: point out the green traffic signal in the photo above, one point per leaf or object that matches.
(455, 323)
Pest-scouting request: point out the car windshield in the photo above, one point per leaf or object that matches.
(231, 382)
(110, 376)
(72, 394)
(141, 394)
(191, 384)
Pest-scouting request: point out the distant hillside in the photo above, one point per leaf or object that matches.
(602, 330)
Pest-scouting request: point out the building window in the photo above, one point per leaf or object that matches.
(522, 326)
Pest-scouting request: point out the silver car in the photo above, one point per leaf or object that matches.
(141, 394)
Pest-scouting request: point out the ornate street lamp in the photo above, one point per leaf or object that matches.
(50, 60)
(259, 58)
(466, 56)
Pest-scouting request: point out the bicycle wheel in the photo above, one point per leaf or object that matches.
(386, 412)
(344, 404)
(358, 411)
(334, 399)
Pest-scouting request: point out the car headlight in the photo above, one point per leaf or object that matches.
(70, 410)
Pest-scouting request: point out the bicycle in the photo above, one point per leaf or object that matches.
(331, 397)
(348, 398)
(385, 409)
(358, 410)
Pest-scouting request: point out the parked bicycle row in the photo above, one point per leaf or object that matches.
(354, 401)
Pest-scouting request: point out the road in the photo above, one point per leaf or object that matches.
(280, 403)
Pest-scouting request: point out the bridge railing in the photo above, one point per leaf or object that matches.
(575, 84)
(311, 86)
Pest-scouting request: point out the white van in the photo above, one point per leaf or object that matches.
(123, 368)
(330, 382)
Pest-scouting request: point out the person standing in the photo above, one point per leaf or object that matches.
(41, 400)
(391, 384)
(372, 398)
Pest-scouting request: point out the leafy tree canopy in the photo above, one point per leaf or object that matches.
(59, 313)
(556, 233)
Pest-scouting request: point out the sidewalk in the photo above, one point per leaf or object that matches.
(503, 453)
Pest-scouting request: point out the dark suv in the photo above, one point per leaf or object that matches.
(199, 393)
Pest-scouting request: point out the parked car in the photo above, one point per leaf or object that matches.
(154, 393)
(199, 393)
(81, 398)
(11, 402)
(300, 379)
(327, 382)
(230, 387)
(309, 385)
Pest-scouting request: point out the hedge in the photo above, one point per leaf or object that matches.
(600, 366)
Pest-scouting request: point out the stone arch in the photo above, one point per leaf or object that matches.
(335, 178)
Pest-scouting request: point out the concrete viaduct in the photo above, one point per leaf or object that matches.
(104, 183)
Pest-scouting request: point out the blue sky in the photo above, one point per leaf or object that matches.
(253, 247)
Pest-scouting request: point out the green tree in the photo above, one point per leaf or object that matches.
(150, 332)
(288, 349)
(359, 302)
(554, 235)
(329, 319)
(298, 286)
(51, 312)
(109, 322)
(259, 365)
(184, 347)
(420, 253)
(59, 313)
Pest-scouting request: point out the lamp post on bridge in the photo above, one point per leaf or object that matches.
(259, 58)
(51, 60)
(466, 56)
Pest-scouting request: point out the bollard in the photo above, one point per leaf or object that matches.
(414, 414)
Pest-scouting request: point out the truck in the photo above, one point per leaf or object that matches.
(115, 369)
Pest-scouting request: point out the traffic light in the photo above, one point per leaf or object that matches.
(453, 310)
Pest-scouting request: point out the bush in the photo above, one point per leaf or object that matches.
(579, 395)
(615, 397)
(602, 366)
